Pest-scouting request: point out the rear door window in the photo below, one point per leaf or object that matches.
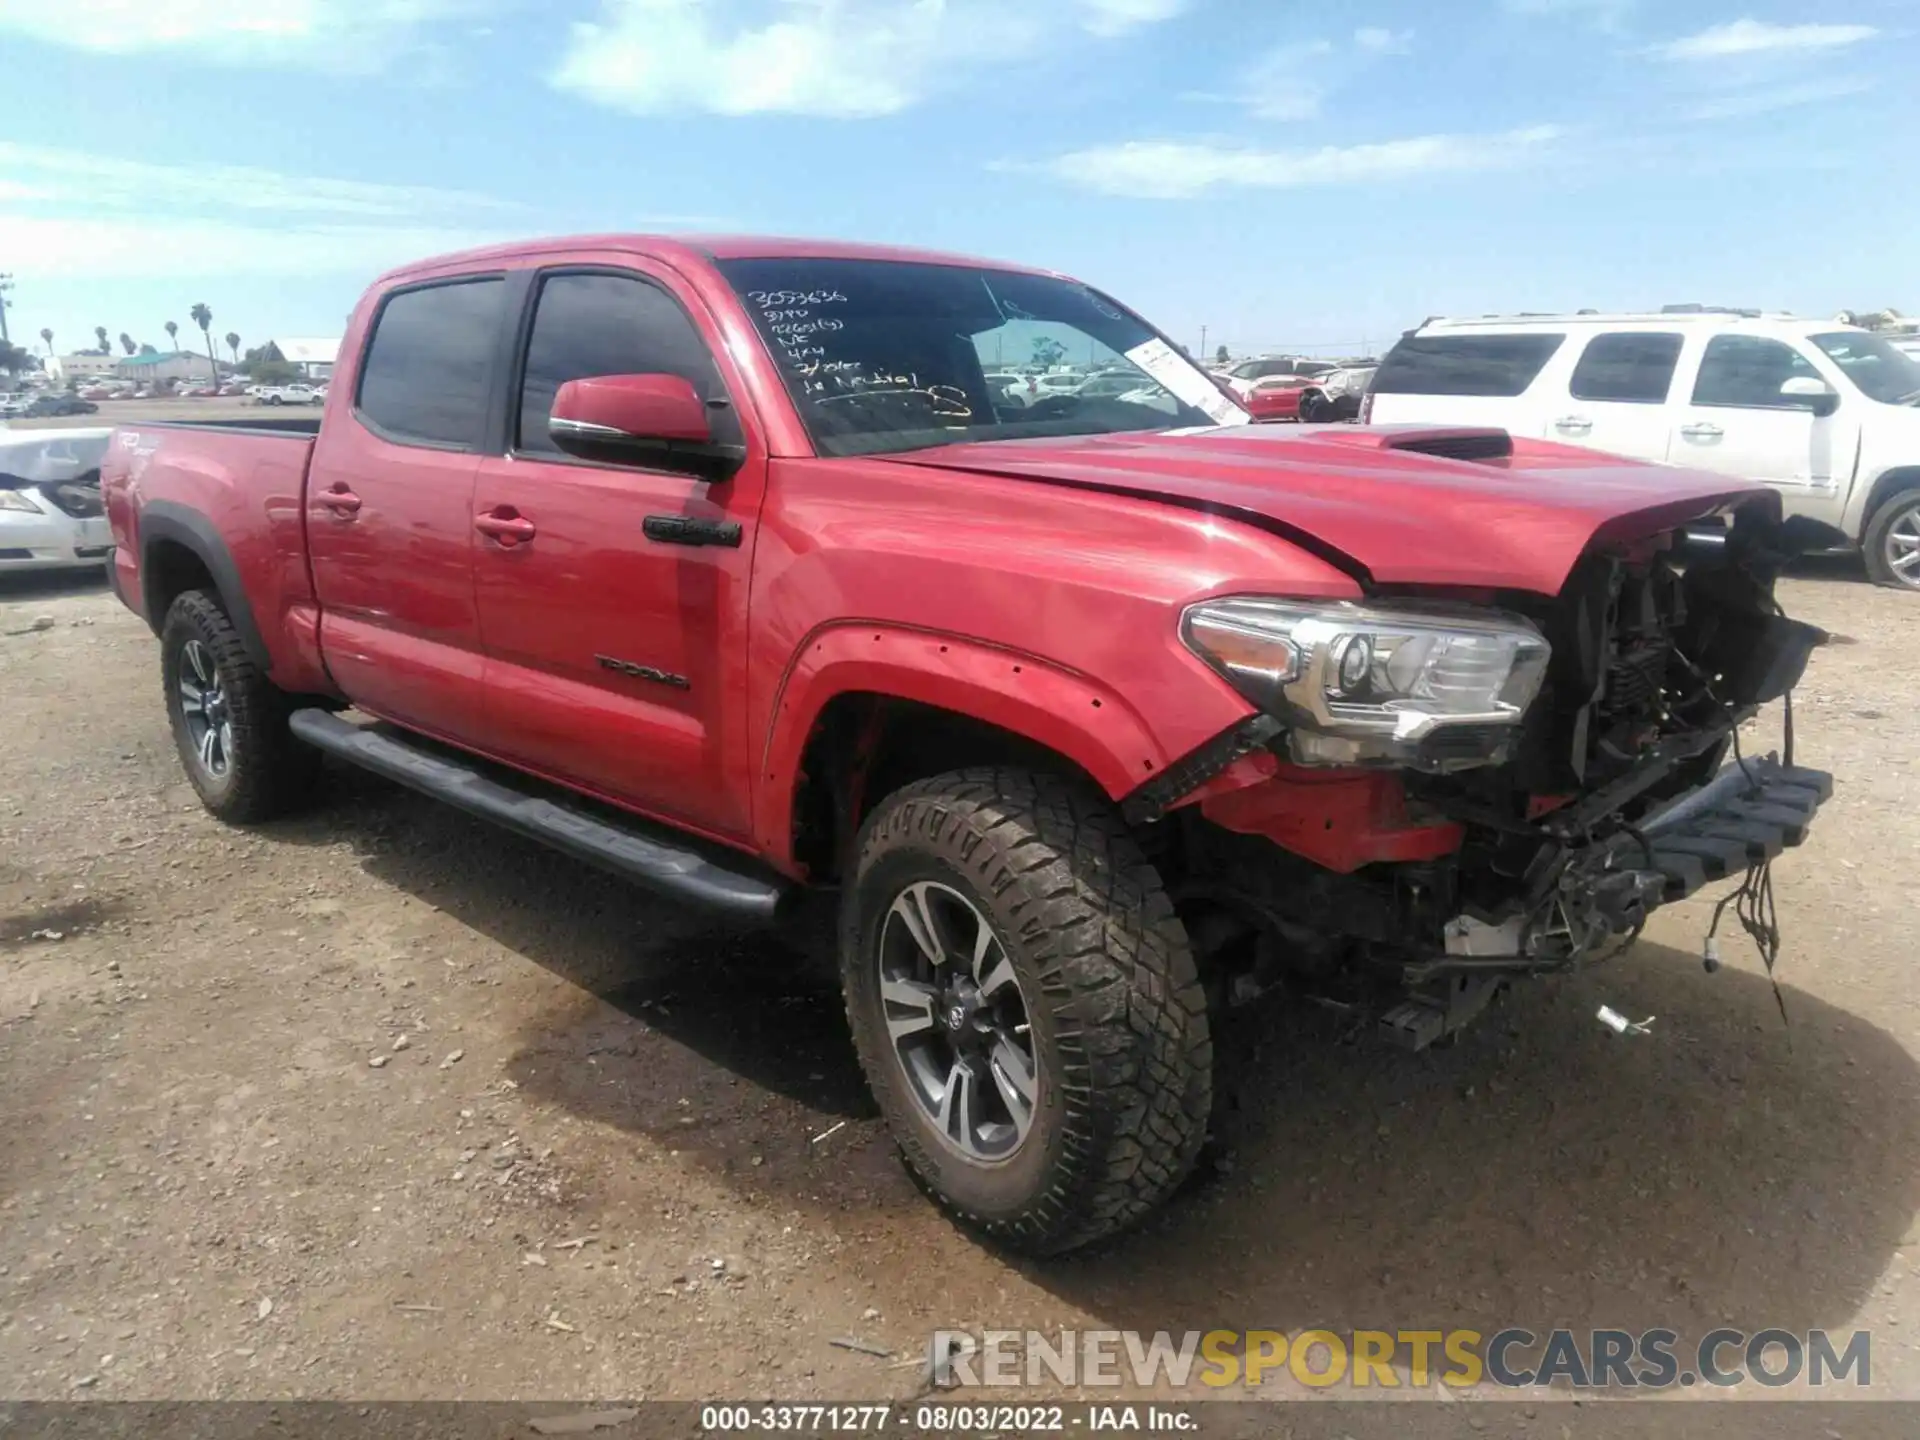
(1634, 368)
(430, 362)
(1486, 365)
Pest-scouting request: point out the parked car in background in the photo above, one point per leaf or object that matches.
(50, 405)
(1337, 396)
(1827, 414)
(1276, 397)
(1242, 375)
(1091, 718)
(296, 394)
(50, 512)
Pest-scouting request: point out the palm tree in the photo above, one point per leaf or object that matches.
(233, 344)
(203, 317)
(101, 332)
(126, 343)
(47, 336)
(172, 330)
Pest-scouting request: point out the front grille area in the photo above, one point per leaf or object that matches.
(78, 498)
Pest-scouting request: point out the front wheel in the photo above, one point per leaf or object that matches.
(1026, 1006)
(1892, 542)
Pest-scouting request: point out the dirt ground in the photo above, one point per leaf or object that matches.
(380, 1102)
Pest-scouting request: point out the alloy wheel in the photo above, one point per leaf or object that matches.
(208, 713)
(958, 1021)
(1903, 546)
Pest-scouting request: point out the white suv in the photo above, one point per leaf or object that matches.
(1826, 413)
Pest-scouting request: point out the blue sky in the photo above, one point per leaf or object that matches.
(1282, 172)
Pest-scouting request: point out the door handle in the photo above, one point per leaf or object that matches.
(1702, 432)
(1573, 422)
(342, 501)
(504, 525)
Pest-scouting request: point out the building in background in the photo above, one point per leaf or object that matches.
(82, 366)
(177, 365)
(313, 358)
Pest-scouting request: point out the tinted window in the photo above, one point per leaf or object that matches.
(612, 325)
(1464, 364)
(1748, 371)
(1884, 372)
(1633, 368)
(426, 372)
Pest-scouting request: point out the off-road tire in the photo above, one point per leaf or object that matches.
(269, 772)
(1119, 1020)
(1873, 544)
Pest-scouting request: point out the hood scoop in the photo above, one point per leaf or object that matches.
(1481, 445)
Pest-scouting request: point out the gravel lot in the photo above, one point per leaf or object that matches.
(380, 1102)
(125, 412)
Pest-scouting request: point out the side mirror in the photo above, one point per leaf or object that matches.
(1810, 392)
(616, 417)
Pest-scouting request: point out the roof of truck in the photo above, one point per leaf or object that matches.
(698, 249)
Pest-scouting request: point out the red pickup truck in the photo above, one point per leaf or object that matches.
(720, 564)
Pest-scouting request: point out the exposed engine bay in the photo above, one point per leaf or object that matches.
(1626, 788)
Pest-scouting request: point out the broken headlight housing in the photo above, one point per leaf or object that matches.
(1356, 685)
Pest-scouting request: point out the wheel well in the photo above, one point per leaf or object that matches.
(864, 747)
(1907, 477)
(167, 572)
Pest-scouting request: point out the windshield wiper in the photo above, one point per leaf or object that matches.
(1911, 397)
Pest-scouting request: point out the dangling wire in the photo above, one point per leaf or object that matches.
(1753, 907)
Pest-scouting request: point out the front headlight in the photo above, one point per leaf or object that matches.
(19, 500)
(1366, 684)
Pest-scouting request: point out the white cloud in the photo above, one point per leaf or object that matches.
(1292, 81)
(339, 35)
(1756, 37)
(1173, 169)
(843, 59)
(1765, 99)
(1116, 17)
(1378, 40)
(1289, 82)
(105, 182)
(72, 213)
(96, 248)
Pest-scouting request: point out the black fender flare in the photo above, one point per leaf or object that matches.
(170, 521)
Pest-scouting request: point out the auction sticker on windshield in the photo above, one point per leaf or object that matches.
(1160, 360)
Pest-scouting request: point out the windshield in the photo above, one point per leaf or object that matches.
(1882, 372)
(885, 355)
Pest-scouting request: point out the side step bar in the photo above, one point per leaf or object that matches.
(657, 864)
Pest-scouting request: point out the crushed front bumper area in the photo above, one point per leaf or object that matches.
(1745, 816)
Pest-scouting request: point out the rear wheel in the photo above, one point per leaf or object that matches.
(229, 721)
(1892, 541)
(1025, 1005)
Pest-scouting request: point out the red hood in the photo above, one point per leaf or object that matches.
(1380, 497)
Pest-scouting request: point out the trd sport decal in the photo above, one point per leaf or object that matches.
(644, 672)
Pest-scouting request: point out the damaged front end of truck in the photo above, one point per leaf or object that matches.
(1439, 796)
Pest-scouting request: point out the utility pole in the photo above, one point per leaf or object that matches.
(1203, 345)
(6, 284)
